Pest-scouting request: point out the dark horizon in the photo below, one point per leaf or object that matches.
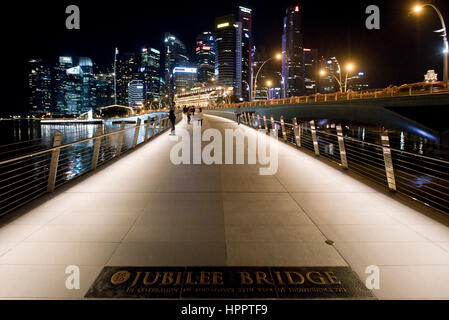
(400, 52)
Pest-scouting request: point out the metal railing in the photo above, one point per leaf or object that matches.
(407, 90)
(31, 174)
(420, 177)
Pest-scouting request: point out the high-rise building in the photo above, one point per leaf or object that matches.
(245, 17)
(74, 85)
(149, 73)
(229, 53)
(39, 85)
(311, 72)
(175, 56)
(184, 78)
(127, 66)
(358, 82)
(136, 93)
(327, 82)
(205, 57)
(292, 52)
(104, 89)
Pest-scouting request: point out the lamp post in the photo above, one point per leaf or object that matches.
(277, 57)
(283, 84)
(349, 68)
(417, 9)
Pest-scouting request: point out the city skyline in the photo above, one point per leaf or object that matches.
(425, 54)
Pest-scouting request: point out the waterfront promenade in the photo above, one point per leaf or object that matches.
(141, 210)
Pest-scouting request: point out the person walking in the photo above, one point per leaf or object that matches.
(184, 112)
(188, 116)
(193, 111)
(172, 118)
(238, 113)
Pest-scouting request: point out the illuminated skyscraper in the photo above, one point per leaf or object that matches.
(127, 66)
(175, 56)
(245, 17)
(229, 53)
(136, 93)
(149, 72)
(292, 52)
(205, 57)
(327, 82)
(311, 72)
(39, 85)
(184, 78)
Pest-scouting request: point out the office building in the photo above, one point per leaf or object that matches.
(327, 82)
(104, 89)
(202, 97)
(40, 87)
(205, 57)
(127, 67)
(245, 17)
(136, 94)
(175, 56)
(149, 73)
(358, 82)
(292, 52)
(229, 53)
(311, 71)
(184, 78)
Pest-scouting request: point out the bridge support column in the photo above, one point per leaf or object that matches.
(389, 170)
(297, 129)
(97, 146)
(284, 133)
(54, 161)
(136, 132)
(120, 139)
(341, 145)
(265, 123)
(314, 138)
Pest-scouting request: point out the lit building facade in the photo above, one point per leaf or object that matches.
(104, 89)
(127, 67)
(136, 93)
(311, 71)
(358, 82)
(149, 73)
(201, 97)
(245, 17)
(205, 57)
(229, 53)
(292, 52)
(40, 87)
(327, 82)
(184, 78)
(175, 56)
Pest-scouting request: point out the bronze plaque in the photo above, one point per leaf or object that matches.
(228, 283)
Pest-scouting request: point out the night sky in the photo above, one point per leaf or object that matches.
(401, 52)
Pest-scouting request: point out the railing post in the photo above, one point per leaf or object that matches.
(258, 122)
(54, 161)
(254, 120)
(273, 125)
(409, 91)
(336, 96)
(341, 145)
(120, 139)
(147, 129)
(388, 161)
(297, 132)
(97, 145)
(136, 132)
(284, 133)
(314, 138)
(265, 123)
(159, 124)
(153, 129)
(325, 97)
(316, 98)
(244, 117)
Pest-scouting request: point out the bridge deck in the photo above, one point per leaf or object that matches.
(141, 210)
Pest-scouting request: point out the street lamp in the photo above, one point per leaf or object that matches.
(349, 67)
(269, 84)
(277, 57)
(417, 9)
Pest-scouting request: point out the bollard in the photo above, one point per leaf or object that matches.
(120, 139)
(258, 122)
(284, 133)
(54, 161)
(389, 171)
(265, 123)
(147, 129)
(136, 132)
(297, 132)
(341, 145)
(97, 145)
(314, 138)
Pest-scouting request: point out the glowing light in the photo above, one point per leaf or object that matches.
(223, 25)
(417, 8)
(279, 56)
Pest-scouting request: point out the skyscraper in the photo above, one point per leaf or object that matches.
(136, 93)
(229, 53)
(205, 57)
(184, 78)
(39, 85)
(245, 17)
(310, 58)
(149, 71)
(104, 89)
(292, 52)
(175, 56)
(327, 82)
(127, 66)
